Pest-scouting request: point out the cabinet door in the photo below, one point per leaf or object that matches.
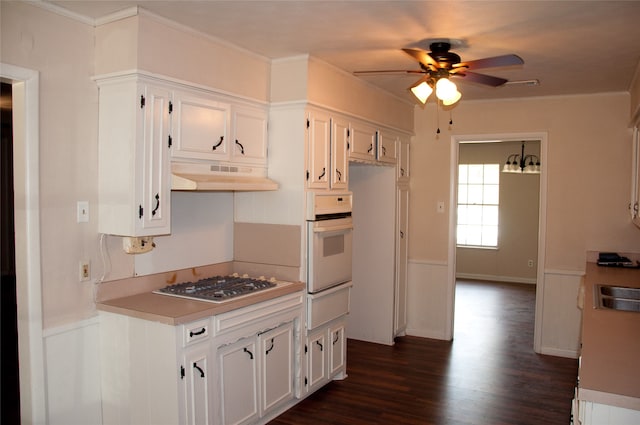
(277, 367)
(362, 145)
(238, 369)
(337, 349)
(400, 302)
(316, 360)
(249, 135)
(200, 127)
(634, 204)
(339, 158)
(403, 159)
(198, 381)
(387, 147)
(318, 145)
(153, 209)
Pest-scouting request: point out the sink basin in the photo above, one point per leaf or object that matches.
(619, 298)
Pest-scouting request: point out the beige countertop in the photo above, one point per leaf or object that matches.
(609, 366)
(175, 311)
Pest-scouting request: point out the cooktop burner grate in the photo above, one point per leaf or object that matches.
(217, 288)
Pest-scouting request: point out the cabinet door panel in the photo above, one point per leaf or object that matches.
(156, 185)
(387, 147)
(339, 160)
(316, 359)
(319, 145)
(362, 145)
(238, 366)
(200, 127)
(400, 307)
(250, 135)
(197, 371)
(337, 353)
(277, 371)
(403, 159)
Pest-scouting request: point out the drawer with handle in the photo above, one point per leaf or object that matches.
(195, 331)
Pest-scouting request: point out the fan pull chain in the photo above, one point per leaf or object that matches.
(438, 116)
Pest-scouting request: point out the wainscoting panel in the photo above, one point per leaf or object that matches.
(427, 302)
(561, 317)
(72, 368)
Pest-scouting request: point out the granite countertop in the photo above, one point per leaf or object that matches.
(175, 311)
(609, 368)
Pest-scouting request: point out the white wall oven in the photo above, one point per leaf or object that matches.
(329, 240)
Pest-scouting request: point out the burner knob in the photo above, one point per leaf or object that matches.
(273, 279)
(235, 275)
(245, 276)
(261, 278)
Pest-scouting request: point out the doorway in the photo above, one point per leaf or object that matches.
(538, 262)
(26, 213)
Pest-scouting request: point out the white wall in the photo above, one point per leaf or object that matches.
(588, 168)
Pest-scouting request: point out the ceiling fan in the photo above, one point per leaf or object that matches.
(440, 64)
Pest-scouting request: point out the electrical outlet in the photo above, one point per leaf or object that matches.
(530, 263)
(85, 271)
(138, 245)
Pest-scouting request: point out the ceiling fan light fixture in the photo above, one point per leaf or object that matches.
(422, 90)
(456, 97)
(447, 91)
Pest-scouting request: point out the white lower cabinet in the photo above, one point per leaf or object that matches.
(256, 375)
(238, 367)
(196, 371)
(325, 355)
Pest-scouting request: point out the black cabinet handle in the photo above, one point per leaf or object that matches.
(402, 172)
(321, 347)
(270, 348)
(195, 365)
(248, 352)
(384, 151)
(140, 211)
(335, 341)
(241, 147)
(401, 234)
(370, 148)
(200, 332)
(339, 175)
(324, 171)
(218, 144)
(157, 204)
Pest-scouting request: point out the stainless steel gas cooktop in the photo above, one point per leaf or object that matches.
(218, 288)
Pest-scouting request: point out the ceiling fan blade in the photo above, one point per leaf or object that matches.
(423, 57)
(389, 72)
(494, 62)
(474, 77)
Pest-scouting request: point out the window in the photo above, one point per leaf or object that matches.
(478, 200)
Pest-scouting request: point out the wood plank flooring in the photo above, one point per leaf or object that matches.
(488, 375)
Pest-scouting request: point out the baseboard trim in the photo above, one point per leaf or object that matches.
(427, 334)
(493, 278)
(557, 352)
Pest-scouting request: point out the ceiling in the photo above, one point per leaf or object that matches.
(571, 47)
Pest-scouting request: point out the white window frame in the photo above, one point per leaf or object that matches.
(483, 203)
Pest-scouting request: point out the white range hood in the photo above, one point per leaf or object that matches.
(209, 177)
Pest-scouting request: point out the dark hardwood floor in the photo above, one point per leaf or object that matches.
(488, 375)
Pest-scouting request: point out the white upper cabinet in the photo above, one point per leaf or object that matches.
(386, 147)
(201, 127)
(340, 132)
(327, 160)
(403, 159)
(249, 129)
(133, 173)
(362, 146)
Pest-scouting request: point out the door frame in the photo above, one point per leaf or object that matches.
(456, 140)
(26, 85)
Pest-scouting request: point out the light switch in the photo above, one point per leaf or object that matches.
(83, 212)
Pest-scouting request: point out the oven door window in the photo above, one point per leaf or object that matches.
(329, 258)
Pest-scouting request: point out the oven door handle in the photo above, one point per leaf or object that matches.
(338, 227)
